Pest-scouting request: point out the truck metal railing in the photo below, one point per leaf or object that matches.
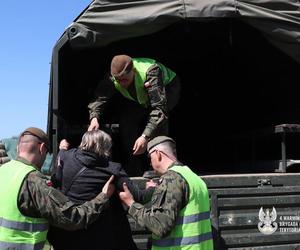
(283, 129)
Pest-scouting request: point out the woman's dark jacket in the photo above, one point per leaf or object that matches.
(81, 176)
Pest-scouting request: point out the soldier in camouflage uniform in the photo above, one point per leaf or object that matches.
(37, 202)
(151, 91)
(179, 202)
(3, 155)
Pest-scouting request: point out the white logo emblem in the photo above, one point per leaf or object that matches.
(267, 224)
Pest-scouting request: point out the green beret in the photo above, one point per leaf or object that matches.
(158, 140)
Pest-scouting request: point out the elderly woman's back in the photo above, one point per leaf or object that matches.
(80, 174)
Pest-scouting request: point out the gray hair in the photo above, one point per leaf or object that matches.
(96, 141)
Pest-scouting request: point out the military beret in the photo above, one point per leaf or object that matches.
(121, 65)
(158, 140)
(40, 134)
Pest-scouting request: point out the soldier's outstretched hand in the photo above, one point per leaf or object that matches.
(109, 188)
(94, 125)
(140, 145)
(64, 144)
(126, 196)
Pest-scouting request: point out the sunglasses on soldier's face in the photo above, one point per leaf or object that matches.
(150, 153)
(123, 77)
(162, 152)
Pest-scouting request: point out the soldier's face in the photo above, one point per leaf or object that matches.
(154, 160)
(126, 80)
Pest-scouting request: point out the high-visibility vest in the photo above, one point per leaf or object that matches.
(142, 65)
(193, 226)
(16, 230)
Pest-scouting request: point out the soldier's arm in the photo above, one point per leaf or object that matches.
(160, 214)
(102, 94)
(158, 102)
(37, 199)
(57, 174)
(140, 195)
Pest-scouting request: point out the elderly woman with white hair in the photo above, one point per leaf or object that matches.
(79, 174)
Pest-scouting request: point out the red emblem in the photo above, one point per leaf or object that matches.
(49, 183)
(147, 85)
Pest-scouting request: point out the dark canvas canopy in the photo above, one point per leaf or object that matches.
(107, 21)
(238, 61)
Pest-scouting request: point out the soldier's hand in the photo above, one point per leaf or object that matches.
(126, 196)
(140, 145)
(94, 125)
(109, 188)
(64, 144)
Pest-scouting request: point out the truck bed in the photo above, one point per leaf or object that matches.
(236, 200)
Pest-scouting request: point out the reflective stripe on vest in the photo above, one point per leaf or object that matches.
(193, 226)
(192, 218)
(173, 242)
(21, 246)
(22, 226)
(16, 230)
(142, 65)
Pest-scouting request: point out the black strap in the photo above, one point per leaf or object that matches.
(73, 179)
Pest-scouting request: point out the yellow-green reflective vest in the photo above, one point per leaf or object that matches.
(16, 230)
(142, 65)
(193, 226)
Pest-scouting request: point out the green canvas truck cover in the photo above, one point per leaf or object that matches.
(237, 61)
(104, 22)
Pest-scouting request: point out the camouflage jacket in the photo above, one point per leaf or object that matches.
(159, 215)
(38, 199)
(157, 100)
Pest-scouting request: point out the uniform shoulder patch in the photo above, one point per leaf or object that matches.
(160, 180)
(49, 183)
(147, 85)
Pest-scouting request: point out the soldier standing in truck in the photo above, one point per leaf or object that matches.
(151, 91)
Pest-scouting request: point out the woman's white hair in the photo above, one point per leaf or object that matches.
(96, 141)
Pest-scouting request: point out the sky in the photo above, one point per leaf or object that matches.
(28, 33)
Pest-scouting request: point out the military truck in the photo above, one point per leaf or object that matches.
(236, 124)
